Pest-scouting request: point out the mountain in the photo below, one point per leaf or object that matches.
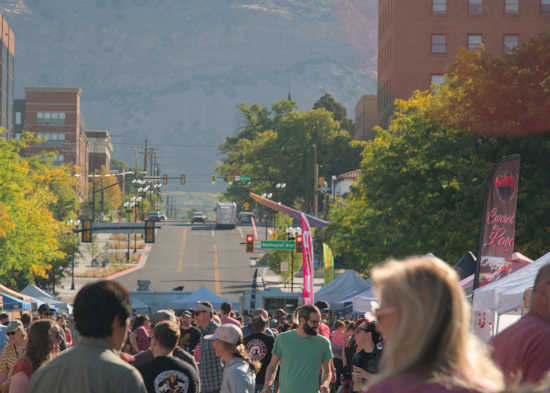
(172, 71)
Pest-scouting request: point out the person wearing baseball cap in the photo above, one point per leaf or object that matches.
(259, 345)
(13, 351)
(324, 308)
(4, 320)
(190, 335)
(239, 371)
(45, 311)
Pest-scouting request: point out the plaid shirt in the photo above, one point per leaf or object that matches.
(210, 367)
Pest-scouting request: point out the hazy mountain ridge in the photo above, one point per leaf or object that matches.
(173, 71)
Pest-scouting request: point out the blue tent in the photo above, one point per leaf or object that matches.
(14, 304)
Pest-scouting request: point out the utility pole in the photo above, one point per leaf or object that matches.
(102, 192)
(145, 158)
(315, 179)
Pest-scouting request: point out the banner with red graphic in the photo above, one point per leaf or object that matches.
(498, 223)
(307, 256)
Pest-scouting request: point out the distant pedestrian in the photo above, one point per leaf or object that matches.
(4, 320)
(13, 351)
(324, 309)
(101, 311)
(63, 327)
(26, 321)
(301, 353)
(280, 314)
(211, 370)
(337, 341)
(522, 350)
(101, 217)
(225, 315)
(259, 346)
(428, 343)
(239, 374)
(45, 311)
(139, 338)
(166, 373)
(190, 335)
(246, 318)
(272, 322)
(260, 311)
(42, 345)
(365, 363)
(111, 217)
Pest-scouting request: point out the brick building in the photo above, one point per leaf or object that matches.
(418, 39)
(6, 79)
(100, 150)
(366, 117)
(54, 113)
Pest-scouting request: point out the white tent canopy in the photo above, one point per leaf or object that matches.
(344, 285)
(202, 294)
(45, 297)
(361, 299)
(140, 307)
(487, 297)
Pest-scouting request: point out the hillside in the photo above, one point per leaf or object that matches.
(172, 71)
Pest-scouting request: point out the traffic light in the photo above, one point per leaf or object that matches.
(298, 243)
(213, 179)
(164, 179)
(249, 243)
(230, 180)
(321, 181)
(149, 231)
(182, 179)
(86, 235)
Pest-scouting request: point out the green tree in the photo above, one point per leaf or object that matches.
(276, 257)
(339, 112)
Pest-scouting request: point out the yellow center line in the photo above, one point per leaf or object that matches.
(181, 251)
(217, 272)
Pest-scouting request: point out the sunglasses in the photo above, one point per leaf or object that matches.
(48, 314)
(12, 333)
(323, 311)
(198, 313)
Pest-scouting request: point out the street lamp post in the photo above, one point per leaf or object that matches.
(128, 206)
(76, 223)
(268, 196)
(291, 233)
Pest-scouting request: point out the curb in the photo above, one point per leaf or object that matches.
(123, 272)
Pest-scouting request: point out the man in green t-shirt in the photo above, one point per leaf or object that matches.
(301, 353)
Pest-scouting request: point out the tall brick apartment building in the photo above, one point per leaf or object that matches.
(54, 113)
(418, 39)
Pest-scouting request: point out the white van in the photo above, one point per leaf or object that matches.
(227, 215)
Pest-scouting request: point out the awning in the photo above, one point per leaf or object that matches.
(14, 294)
(313, 221)
(12, 303)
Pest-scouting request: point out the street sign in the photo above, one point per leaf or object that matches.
(275, 245)
(246, 205)
(157, 204)
(243, 178)
(273, 235)
(284, 266)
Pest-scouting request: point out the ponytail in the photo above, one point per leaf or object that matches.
(240, 351)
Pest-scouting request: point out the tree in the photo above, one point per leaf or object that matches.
(276, 257)
(190, 213)
(276, 147)
(339, 112)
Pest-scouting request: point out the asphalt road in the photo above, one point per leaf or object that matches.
(197, 255)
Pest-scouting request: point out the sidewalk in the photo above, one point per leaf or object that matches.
(84, 263)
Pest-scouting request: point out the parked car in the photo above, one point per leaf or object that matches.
(248, 217)
(156, 216)
(198, 217)
(163, 216)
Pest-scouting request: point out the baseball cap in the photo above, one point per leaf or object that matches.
(187, 313)
(14, 326)
(164, 315)
(202, 307)
(258, 324)
(4, 315)
(45, 307)
(228, 333)
(322, 305)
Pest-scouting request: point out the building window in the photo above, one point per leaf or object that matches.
(437, 79)
(510, 43)
(475, 6)
(438, 43)
(58, 160)
(439, 6)
(545, 6)
(17, 117)
(50, 118)
(511, 6)
(53, 139)
(474, 40)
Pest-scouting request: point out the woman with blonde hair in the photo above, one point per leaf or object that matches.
(42, 345)
(425, 319)
(13, 351)
(239, 375)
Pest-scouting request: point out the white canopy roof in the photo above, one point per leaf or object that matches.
(202, 294)
(344, 285)
(362, 299)
(140, 307)
(45, 297)
(487, 297)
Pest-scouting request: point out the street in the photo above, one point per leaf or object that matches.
(195, 255)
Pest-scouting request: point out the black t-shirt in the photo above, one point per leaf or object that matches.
(259, 347)
(169, 374)
(190, 338)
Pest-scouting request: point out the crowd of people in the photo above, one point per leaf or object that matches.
(419, 340)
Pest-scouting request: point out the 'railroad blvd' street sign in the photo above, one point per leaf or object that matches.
(275, 245)
(118, 227)
(243, 178)
(284, 266)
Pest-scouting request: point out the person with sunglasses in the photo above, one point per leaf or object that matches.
(211, 370)
(45, 311)
(13, 351)
(42, 345)
(365, 362)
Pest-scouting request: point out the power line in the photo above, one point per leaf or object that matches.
(155, 144)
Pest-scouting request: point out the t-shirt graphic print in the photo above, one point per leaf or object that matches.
(171, 381)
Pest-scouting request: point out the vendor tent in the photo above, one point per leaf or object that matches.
(344, 285)
(14, 304)
(45, 297)
(487, 297)
(361, 299)
(466, 266)
(140, 307)
(202, 294)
